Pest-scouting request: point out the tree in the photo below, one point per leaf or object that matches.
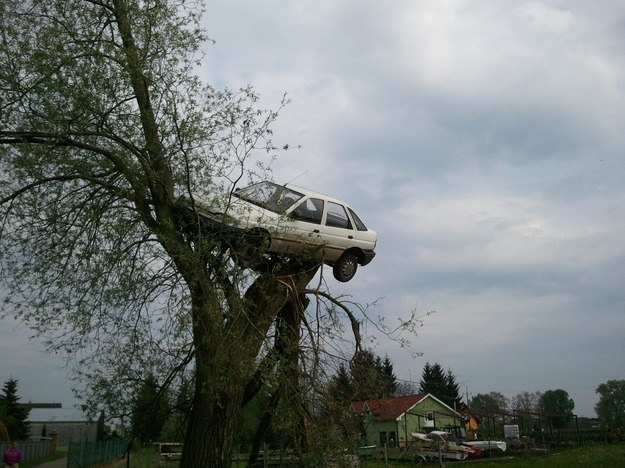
(389, 380)
(488, 402)
(150, 410)
(611, 405)
(368, 377)
(439, 383)
(452, 390)
(558, 406)
(433, 380)
(526, 401)
(371, 377)
(104, 127)
(340, 390)
(15, 415)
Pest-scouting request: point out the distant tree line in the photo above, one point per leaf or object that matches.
(159, 415)
(557, 404)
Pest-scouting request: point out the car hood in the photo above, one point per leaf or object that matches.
(235, 211)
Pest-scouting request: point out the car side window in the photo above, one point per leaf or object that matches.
(309, 211)
(337, 216)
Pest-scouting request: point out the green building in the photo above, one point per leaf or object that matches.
(391, 421)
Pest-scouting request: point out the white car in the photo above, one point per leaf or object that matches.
(295, 221)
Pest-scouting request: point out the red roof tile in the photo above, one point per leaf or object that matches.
(388, 408)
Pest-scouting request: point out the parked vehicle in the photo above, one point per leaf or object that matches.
(450, 447)
(295, 221)
(488, 445)
(431, 447)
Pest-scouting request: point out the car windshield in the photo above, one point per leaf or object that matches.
(271, 196)
(441, 437)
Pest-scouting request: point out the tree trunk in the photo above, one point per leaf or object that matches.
(211, 431)
(225, 360)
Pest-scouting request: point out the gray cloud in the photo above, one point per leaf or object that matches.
(483, 141)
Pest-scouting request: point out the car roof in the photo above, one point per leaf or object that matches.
(312, 193)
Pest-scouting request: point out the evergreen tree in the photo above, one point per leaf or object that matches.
(433, 380)
(368, 377)
(340, 390)
(15, 415)
(452, 390)
(441, 384)
(150, 411)
(389, 381)
(365, 373)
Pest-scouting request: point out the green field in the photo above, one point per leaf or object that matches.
(601, 455)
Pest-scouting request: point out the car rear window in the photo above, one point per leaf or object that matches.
(357, 221)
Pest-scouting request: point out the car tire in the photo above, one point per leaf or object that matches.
(345, 267)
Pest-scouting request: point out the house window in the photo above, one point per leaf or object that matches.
(429, 419)
(389, 438)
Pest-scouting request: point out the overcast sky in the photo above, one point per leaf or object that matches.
(483, 141)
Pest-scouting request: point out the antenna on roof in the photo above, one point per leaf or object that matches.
(295, 178)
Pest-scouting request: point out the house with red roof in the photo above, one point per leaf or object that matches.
(390, 421)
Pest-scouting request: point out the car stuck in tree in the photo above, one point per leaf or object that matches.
(294, 221)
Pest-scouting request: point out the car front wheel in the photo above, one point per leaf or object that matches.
(345, 267)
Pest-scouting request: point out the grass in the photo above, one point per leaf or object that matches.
(603, 455)
(596, 456)
(146, 458)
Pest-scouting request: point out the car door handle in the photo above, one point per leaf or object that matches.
(316, 231)
(350, 237)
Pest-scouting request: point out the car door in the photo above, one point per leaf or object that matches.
(337, 231)
(303, 226)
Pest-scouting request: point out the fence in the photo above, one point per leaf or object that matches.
(31, 449)
(87, 454)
